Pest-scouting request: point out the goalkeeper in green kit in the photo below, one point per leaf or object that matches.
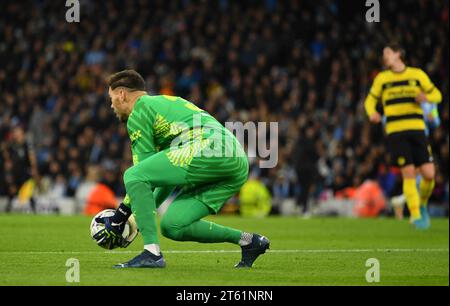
(175, 144)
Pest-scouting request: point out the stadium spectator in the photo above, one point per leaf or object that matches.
(20, 172)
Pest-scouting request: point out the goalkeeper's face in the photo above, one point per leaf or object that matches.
(119, 104)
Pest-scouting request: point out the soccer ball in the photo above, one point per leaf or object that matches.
(129, 234)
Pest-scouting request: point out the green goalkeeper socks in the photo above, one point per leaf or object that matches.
(144, 210)
(182, 222)
(202, 231)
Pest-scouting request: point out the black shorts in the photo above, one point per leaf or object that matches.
(409, 147)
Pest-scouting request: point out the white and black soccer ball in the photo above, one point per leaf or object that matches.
(129, 234)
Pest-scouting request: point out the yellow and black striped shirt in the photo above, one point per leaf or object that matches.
(397, 92)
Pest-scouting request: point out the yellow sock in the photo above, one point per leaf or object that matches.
(426, 189)
(412, 197)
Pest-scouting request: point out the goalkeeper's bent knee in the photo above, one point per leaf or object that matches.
(128, 176)
(132, 175)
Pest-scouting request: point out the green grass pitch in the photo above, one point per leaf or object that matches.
(322, 251)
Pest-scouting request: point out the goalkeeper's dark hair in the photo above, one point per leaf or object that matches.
(397, 47)
(129, 79)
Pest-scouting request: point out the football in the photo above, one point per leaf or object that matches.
(129, 234)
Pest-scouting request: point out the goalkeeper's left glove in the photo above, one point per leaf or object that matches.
(111, 236)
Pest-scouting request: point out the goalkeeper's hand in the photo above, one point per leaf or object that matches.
(111, 236)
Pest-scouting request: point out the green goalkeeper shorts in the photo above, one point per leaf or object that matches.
(210, 175)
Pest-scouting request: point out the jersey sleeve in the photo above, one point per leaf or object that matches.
(373, 97)
(432, 93)
(140, 131)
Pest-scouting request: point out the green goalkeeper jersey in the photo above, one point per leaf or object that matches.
(175, 143)
(156, 121)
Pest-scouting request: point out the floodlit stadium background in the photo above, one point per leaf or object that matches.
(307, 65)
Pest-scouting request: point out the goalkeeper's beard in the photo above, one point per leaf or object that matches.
(122, 117)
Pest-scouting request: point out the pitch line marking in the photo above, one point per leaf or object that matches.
(281, 251)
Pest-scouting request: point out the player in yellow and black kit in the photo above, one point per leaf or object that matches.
(401, 90)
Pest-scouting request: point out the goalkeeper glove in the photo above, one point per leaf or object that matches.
(111, 236)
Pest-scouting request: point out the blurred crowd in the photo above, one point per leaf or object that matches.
(305, 64)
